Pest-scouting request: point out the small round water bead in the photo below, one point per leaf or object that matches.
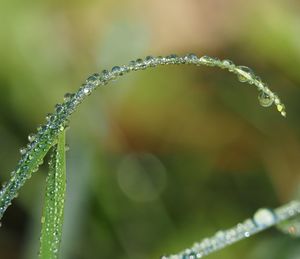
(31, 137)
(226, 63)
(245, 74)
(68, 97)
(264, 217)
(116, 70)
(23, 150)
(207, 60)
(264, 99)
(93, 79)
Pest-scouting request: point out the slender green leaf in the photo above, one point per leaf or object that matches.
(53, 212)
(46, 136)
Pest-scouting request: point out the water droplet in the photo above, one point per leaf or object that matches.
(281, 109)
(245, 74)
(140, 63)
(35, 169)
(132, 64)
(43, 220)
(171, 57)
(264, 217)
(226, 63)
(23, 150)
(149, 59)
(87, 90)
(31, 137)
(105, 75)
(94, 79)
(58, 108)
(68, 97)
(116, 70)
(48, 117)
(206, 60)
(192, 56)
(264, 99)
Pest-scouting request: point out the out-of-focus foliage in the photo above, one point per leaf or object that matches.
(162, 158)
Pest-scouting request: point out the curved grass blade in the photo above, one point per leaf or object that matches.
(46, 136)
(53, 212)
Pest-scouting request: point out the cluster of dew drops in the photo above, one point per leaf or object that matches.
(244, 74)
(58, 121)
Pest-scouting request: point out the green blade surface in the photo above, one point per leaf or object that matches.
(53, 211)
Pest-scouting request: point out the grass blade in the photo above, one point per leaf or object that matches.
(53, 212)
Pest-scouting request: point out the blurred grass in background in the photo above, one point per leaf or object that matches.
(165, 157)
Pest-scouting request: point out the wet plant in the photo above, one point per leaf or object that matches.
(50, 137)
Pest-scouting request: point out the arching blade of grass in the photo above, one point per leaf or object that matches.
(46, 136)
(53, 212)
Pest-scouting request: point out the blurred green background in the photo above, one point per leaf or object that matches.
(161, 158)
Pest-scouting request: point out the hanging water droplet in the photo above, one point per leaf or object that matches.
(264, 99)
(281, 109)
(67, 147)
(68, 97)
(245, 74)
(23, 150)
(35, 169)
(31, 137)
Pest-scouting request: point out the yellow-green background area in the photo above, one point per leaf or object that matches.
(163, 157)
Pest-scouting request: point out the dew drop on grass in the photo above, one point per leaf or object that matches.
(58, 108)
(93, 79)
(31, 137)
(207, 60)
(192, 56)
(226, 63)
(23, 150)
(245, 74)
(48, 116)
(264, 99)
(67, 97)
(116, 70)
(281, 109)
(149, 59)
